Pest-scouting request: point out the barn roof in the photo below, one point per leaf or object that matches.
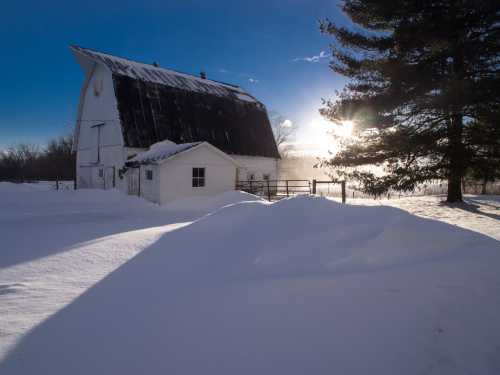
(156, 104)
(168, 77)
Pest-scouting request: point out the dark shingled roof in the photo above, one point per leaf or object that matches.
(155, 104)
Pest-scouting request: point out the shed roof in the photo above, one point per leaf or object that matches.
(165, 150)
(161, 151)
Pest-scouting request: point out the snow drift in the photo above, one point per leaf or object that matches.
(302, 286)
(212, 203)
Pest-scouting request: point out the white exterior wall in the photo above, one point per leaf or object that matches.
(95, 109)
(150, 188)
(256, 165)
(175, 175)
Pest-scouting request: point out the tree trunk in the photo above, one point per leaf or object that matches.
(454, 188)
(456, 159)
(483, 187)
(456, 151)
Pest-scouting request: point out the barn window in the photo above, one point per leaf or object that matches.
(149, 174)
(101, 173)
(198, 177)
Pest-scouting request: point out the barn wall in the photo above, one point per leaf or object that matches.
(98, 109)
(256, 165)
(176, 175)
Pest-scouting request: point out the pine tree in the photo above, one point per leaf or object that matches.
(419, 71)
(484, 140)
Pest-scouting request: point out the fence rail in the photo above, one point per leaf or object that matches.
(275, 189)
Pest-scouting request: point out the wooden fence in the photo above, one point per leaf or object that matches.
(275, 189)
(315, 184)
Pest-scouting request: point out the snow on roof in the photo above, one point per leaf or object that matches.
(161, 151)
(152, 73)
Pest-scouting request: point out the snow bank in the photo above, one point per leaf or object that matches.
(10, 187)
(301, 286)
(209, 204)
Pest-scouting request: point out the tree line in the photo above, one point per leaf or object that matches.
(28, 162)
(423, 92)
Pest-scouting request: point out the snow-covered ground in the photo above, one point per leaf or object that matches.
(480, 213)
(56, 244)
(94, 282)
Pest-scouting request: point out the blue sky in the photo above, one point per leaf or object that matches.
(267, 47)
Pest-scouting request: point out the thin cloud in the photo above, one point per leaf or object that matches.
(253, 80)
(313, 59)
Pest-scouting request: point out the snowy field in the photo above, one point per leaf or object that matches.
(95, 282)
(480, 213)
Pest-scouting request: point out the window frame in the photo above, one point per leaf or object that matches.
(149, 174)
(198, 177)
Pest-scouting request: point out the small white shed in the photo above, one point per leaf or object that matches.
(169, 171)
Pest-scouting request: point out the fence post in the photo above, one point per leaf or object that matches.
(57, 184)
(287, 188)
(268, 191)
(74, 183)
(139, 188)
(251, 187)
(314, 186)
(343, 191)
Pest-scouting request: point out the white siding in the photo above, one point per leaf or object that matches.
(97, 109)
(176, 174)
(256, 165)
(149, 188)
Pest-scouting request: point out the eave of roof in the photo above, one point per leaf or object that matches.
(163, 154)
(152, 73)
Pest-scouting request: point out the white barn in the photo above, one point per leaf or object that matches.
(152, 131)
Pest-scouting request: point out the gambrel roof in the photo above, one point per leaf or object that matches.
(157, 104)
(162, 76)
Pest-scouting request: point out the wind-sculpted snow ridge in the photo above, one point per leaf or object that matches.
(301, 286)
(211, 203)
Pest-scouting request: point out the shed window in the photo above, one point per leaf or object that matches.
(149, 174)
(198, 177)
(101, 173)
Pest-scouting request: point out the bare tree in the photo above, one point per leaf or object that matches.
(283, 130)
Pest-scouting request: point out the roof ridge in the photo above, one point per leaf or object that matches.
(74, 46)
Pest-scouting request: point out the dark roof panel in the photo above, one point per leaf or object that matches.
(152, 112)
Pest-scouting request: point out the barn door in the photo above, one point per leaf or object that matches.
(133, 181)
(109, 178)
(98, 177)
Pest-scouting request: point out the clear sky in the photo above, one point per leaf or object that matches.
(271, 48)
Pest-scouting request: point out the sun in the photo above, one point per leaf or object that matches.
(320, 137)
(344, 129)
